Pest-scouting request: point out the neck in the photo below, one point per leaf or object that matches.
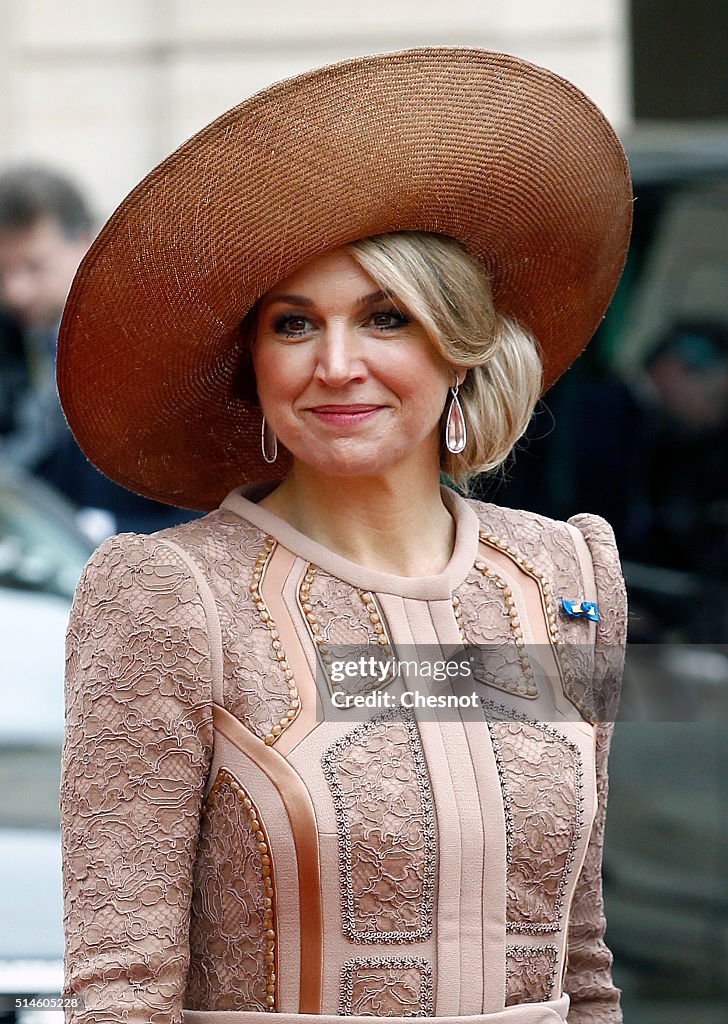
(395, 522)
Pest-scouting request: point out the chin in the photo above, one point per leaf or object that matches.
(350, 464)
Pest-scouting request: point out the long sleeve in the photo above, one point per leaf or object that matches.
(594, 997)
(136, 756)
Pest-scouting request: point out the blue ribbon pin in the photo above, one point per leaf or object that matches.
(580, 609)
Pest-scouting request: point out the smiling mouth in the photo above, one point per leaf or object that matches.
(344, 414)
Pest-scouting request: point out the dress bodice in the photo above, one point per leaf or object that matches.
(237, 838)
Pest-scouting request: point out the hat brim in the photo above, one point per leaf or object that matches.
(505, 156)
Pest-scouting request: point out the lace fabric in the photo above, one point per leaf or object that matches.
(486, 622)
(381, 792)
(228, 550)
(594, 997)
(165, 897)
(588, 981)
(256, 689)
(609, 649)
(342, 616)
(136, 755)
(386, 987)
(232, 930)
(542, 793)
(588, 977)
(530, 973)
(546, 548)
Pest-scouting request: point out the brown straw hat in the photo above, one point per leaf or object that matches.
(505, 156)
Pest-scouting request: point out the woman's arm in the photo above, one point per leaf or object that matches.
(594, 997)
(136, 756)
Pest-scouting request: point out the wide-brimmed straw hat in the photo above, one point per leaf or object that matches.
(507, 157)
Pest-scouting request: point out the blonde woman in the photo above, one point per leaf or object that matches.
(286, 788)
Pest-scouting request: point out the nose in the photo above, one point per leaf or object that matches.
(338, 356)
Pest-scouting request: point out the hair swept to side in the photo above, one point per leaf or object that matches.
(448, 290)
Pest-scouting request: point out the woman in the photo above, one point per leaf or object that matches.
(292, 324)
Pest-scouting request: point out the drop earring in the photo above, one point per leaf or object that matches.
(268, 442)
(456, 435)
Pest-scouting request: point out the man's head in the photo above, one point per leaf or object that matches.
(45, 229)
(689, 368)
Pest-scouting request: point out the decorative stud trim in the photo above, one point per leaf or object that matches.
(550, 613)
(322, 644)
(255, 588)
(526, 685)
(226, 777)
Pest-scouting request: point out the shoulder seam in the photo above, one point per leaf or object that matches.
(214, 629)
(585, 563)
(482, 507)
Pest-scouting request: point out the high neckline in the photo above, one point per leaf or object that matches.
(243, 501)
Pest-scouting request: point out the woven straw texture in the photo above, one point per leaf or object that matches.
(505, 156)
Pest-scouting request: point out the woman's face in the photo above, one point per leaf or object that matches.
(350, 384)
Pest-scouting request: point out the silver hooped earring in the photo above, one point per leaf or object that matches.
(268, 442)
(456, 434)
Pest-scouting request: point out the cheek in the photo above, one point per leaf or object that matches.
(418, 378)
(261, 369)
(279, 374)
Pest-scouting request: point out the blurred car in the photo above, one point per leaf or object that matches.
(42, 552)
(666, 844)
(666, 852)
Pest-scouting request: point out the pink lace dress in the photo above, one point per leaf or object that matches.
(232, 848)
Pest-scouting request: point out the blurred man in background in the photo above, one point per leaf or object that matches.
(677, 515)
(45, 229)
(46, 226)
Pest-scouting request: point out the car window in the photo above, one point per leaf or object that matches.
(29, 785)
(37, 551)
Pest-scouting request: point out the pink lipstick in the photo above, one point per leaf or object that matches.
(344, 415)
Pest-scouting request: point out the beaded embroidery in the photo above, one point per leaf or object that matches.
(256, 582)
(321, 598)
(527, 820)
(382, 797)
(386, 987)
(530, 973)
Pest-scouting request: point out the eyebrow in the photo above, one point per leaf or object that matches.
(301, 300)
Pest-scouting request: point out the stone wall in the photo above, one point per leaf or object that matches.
(106, 89)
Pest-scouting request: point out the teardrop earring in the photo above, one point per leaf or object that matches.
(268, 442)
(456, 435)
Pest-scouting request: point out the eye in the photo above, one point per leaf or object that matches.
(396, 319)
(290, 326)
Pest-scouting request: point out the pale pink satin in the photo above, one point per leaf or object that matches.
(527, 1013)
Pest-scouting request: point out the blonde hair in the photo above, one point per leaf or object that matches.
(448, 291)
